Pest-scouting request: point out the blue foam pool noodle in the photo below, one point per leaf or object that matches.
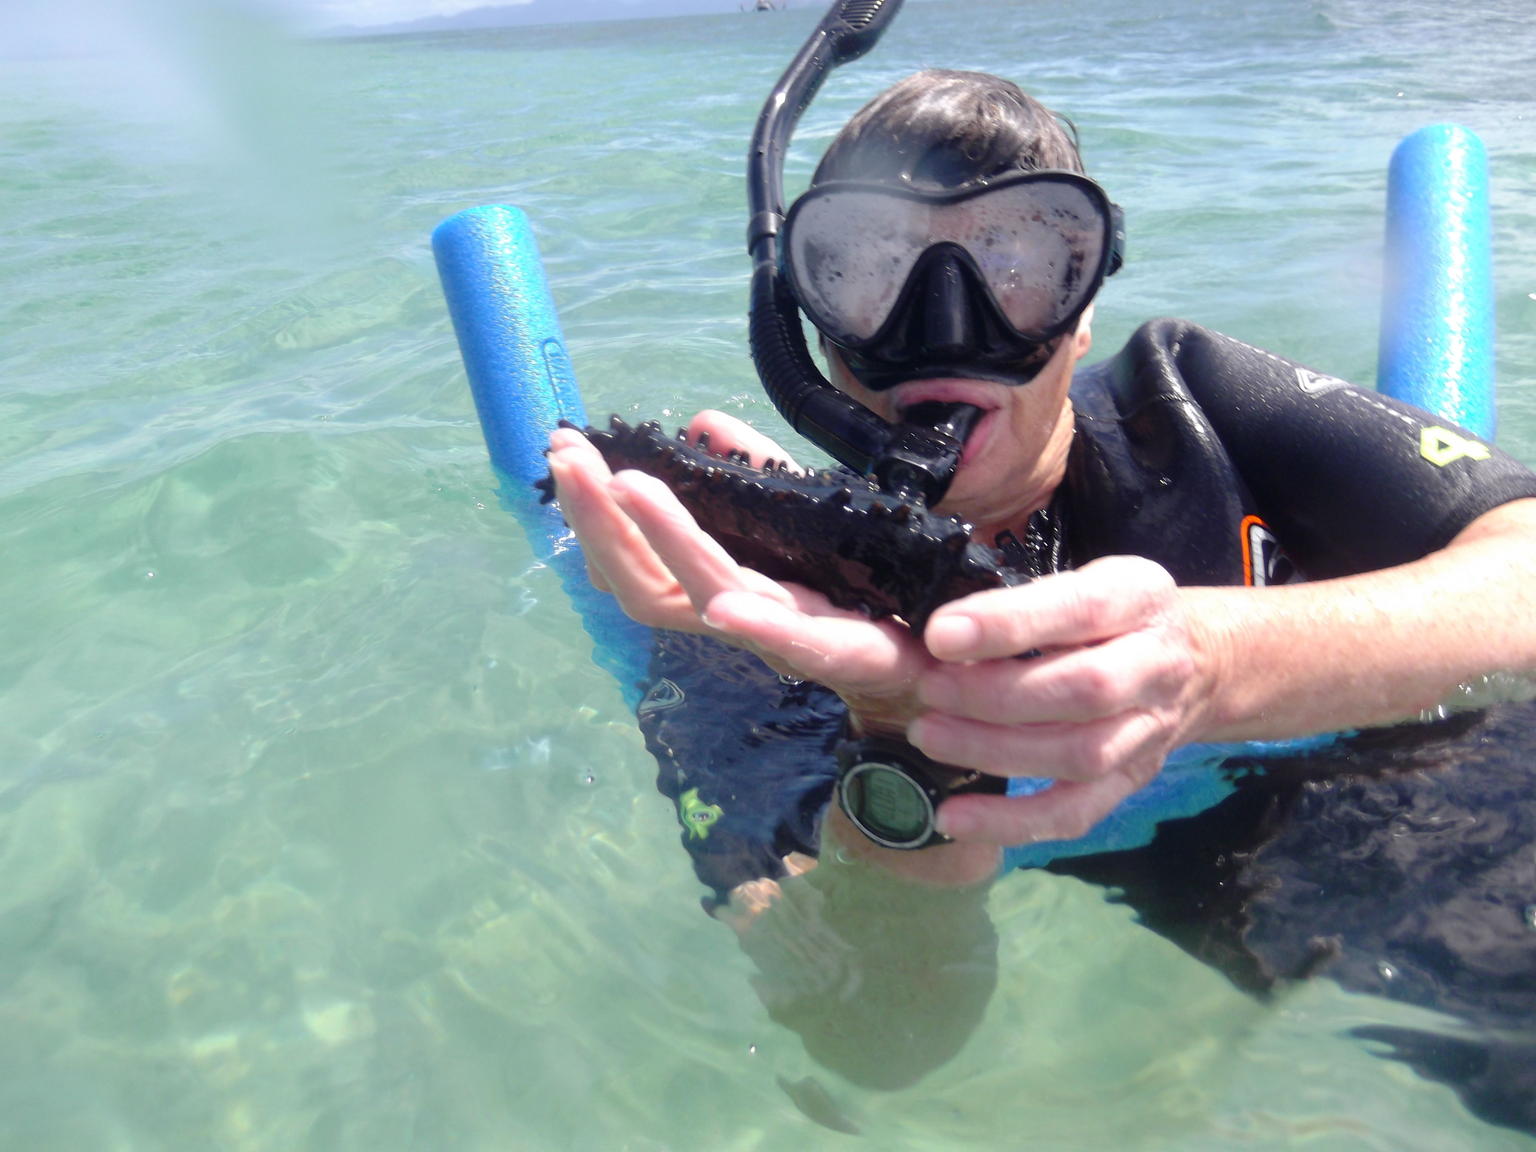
(520, 374)
(1437, 315)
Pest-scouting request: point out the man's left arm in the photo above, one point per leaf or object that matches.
(1133, 667)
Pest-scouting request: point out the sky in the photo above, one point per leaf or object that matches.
(366, 12)
(362, 13)
(46, 26)
(200, 66)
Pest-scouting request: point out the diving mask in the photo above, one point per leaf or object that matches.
(976, 281)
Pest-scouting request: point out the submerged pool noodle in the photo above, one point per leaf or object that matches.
(1436, 351)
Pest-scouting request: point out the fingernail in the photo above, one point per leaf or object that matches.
(951, 633)
(955, 825)
(711, 615)
(742, 605)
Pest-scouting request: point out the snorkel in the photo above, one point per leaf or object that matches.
(910, 460)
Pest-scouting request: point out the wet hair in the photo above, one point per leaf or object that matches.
(947, 129)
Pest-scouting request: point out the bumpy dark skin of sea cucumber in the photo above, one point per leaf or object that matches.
(834, 532)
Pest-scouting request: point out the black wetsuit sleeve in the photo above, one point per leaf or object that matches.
(1350, 480)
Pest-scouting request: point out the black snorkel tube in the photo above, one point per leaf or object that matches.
(908, 460)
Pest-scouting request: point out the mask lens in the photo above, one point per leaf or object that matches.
(850, 253)
(1038, 246)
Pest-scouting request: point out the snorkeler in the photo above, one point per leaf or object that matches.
(948, 252)
(1223, 545)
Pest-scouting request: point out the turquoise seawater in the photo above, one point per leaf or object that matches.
(319, 828)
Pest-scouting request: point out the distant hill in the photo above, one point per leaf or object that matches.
(551, 12)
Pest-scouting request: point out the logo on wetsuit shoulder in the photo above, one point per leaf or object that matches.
(1315, 383)
(1264, 561)
(1441, 446)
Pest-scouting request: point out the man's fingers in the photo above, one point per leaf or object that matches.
(1132, 743)
(840, 651)
(597, 579)
(1102, 599)
(609, 539)
(1067, 810)
(563, 438)
(725, 433)
(619, 558)
(698, 561)
(1138, 669)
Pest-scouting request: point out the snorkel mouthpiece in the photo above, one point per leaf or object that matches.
(925, 445)
(955, 420)
(930, 437)
(910, 460)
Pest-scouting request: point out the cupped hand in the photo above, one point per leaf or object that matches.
(1118, 683)
(642, 545)
(619, 558)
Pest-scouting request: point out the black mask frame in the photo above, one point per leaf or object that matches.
(945, 317)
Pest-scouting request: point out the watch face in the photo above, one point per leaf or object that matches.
(888, 806)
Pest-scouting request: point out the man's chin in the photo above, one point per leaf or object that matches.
(969, 491)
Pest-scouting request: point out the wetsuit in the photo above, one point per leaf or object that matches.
(1398, 862)
(1223, 463)
(1186, 436)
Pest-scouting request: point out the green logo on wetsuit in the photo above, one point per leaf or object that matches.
(1441, 446)
(696, 815)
